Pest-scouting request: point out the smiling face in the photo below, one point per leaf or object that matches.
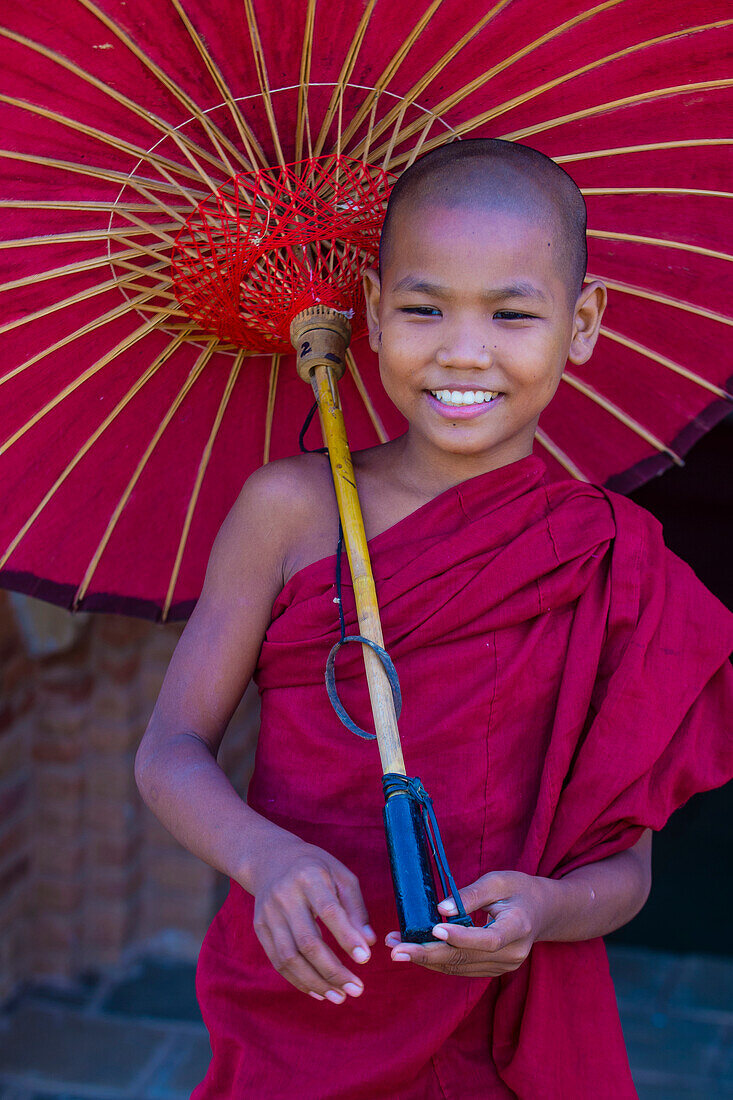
(473, 323)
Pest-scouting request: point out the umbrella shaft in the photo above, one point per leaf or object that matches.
(365, 595)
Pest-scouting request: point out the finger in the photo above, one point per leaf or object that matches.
(511, 925)
(392, 939)
(496, 886)
(350, 896)
(324, 902)
(319, 956)
(280, 949)
(436, 956)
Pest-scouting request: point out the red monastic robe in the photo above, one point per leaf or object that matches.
(565, 680)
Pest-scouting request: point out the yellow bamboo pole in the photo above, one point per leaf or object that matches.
(320, 336)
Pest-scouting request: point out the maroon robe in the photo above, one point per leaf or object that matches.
(565, 680)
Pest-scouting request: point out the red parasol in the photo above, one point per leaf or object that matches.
(126, 431)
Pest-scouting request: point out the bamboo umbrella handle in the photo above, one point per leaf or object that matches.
(320, 336)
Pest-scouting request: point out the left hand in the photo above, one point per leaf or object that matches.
(517, 907)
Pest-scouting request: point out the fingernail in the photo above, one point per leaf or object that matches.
(334, 997)
(360, 955)
(369, 931)
(353, 989)
(447, 905)
(400, 957)
(440, 933)
(315, 996)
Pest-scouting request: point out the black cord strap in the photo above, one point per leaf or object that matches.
(390, 672)
(393, 783)
(304, 429)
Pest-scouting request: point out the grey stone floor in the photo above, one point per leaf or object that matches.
(136, 1034)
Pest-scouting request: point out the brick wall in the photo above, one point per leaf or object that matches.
(86, 872)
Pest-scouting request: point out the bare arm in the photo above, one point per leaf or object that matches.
(524, 909)
(294, 883)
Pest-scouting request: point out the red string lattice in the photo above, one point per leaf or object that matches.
(269, 244)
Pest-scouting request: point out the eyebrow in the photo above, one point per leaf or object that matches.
(520, 289)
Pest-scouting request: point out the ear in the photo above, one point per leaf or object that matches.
(587, 322)
(372, 294)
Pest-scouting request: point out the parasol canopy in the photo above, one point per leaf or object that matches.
(127, 427)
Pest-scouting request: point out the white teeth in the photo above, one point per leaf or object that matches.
(459, 397)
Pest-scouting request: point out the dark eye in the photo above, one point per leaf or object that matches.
(511, 315)
(421, 311)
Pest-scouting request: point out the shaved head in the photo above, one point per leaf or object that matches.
(489, 176)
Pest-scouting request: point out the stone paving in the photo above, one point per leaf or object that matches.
(137, 1035)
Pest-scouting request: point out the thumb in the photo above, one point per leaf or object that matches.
(479, 894)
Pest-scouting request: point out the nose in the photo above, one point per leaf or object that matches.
(465, 347)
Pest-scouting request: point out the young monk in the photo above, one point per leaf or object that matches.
(564, 681)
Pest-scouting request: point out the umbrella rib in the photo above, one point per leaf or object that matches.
(251, 145)
(123, 345)
(98, 173)
(453, 100)
(54, 307)
(346, 70)
(68, 269)
(135, 108)
(203, 466)
(90, 326)
(559, 455)
(614, 104)
(303, 121)
(663, 361)
(88, 444)
(78, 236)
(623, 417)
(663, 299)
(262, 78)
(270, 413)
(155, 159)
(659, 242)
(656, 191)
(394, 63)
(193, 375)
(84, 207)
(649, 147)
(362, 391)
(214, 134)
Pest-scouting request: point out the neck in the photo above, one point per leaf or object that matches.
(427, 472)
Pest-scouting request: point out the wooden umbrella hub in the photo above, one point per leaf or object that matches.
(267, 245)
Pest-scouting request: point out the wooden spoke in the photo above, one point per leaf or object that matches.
(648, 147)
(659, 242)
(456, 98)
(501, 108)
(393, 65)
(156, 160)
(249, 141)
(368, 404)
(84, 330)
(84, 236)
(262, 78)
(89, 443)
(63, 303)
(420, 141)
(85, 207)
(663, 361)
(614, 104)
(68, 269)
(203, 466)
(656, 191)
(663, 299)
(218, 140)
(98, 173)
(560, 456)
(303, 121)
(344, 76)
(623, 417)
(193, 375)
(136, 108)
(270, 411)
(118, 350)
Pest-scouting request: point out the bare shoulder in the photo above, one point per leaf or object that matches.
(284, 517)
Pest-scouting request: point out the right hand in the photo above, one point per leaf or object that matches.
(296, 888)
